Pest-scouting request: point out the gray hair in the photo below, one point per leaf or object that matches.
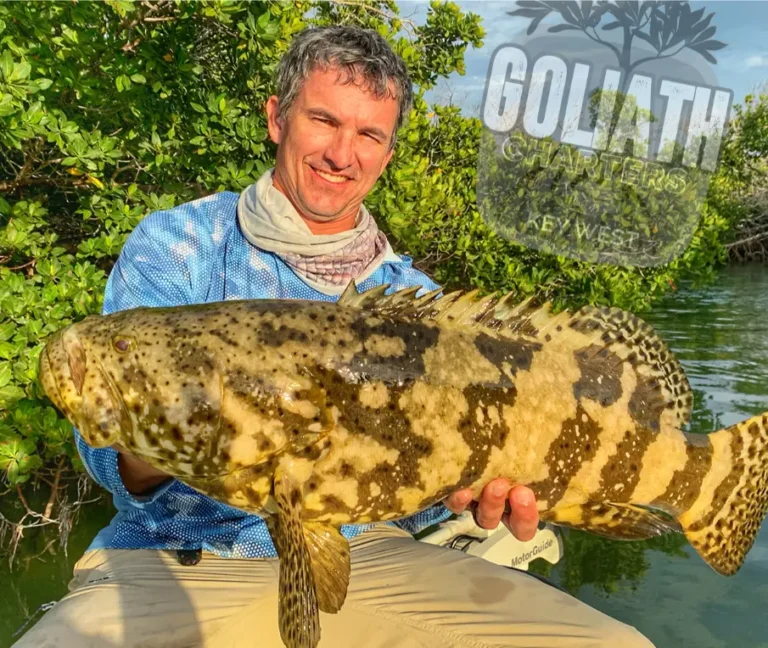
(356, 52)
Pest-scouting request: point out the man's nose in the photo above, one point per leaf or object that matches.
(340, 150)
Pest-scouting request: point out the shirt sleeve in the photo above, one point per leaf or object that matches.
(157, 267)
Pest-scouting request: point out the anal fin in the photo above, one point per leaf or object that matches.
(616, 521)
(329, 551)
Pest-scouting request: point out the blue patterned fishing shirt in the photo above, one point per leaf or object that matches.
(191, 254)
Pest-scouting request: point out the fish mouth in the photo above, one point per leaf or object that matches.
(61, 371)
(62, 375)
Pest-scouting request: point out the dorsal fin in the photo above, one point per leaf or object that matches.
(402, 303)
(453, 310)
(625, 334)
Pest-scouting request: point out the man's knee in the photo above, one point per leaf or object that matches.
(65, 625)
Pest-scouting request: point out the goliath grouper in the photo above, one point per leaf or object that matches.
(316, 414)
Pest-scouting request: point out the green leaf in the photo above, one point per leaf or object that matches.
(197, 107)
(138, 78)
(7, 330)
(12, 472)
(6, 64)
(21, 71)
(123, 82)
(70, 34)
(5, 373)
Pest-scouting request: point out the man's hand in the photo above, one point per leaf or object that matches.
(523, 519)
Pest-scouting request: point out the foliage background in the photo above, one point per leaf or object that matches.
(110, 110)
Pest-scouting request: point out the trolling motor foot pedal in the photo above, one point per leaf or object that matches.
(503, 548)
(498, 545)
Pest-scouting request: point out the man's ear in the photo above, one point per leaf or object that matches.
(274, 123)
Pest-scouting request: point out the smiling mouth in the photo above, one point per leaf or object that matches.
(330, 177)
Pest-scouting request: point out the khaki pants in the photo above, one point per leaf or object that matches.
(402, 593)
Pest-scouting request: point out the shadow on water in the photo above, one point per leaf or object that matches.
(720, 335)
(660, 586)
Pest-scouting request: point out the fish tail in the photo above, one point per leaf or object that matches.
(722, 523)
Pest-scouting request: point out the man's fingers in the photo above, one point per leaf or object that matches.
(523, 520)
(458, 501)
(492, 503)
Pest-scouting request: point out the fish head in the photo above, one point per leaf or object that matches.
(74, 370)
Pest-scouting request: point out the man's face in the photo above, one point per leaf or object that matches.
(332, 147)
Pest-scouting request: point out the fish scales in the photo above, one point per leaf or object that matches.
(315, 415)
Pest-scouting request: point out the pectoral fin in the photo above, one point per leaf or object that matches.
(298, 616)
(617, 521)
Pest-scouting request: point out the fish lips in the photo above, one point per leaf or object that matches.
(52, 358)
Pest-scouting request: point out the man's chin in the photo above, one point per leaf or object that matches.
(323, 213)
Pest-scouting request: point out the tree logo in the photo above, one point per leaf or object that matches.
(600, 136)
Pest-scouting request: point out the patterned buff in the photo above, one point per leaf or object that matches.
(327, 262)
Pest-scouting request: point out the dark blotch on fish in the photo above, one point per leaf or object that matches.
(418, 339)
(517, 354)
(597, 362)
(574, 451)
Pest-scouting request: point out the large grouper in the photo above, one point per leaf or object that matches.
(316, 414)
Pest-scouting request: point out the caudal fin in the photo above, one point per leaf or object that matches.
(723, 522)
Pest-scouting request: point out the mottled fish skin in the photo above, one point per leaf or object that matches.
(385, 411)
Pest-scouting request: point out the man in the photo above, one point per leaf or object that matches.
(302, 232)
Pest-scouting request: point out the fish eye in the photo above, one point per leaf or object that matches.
(123, 344)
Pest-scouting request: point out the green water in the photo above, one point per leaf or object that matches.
(720, 335)
(39, 575)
